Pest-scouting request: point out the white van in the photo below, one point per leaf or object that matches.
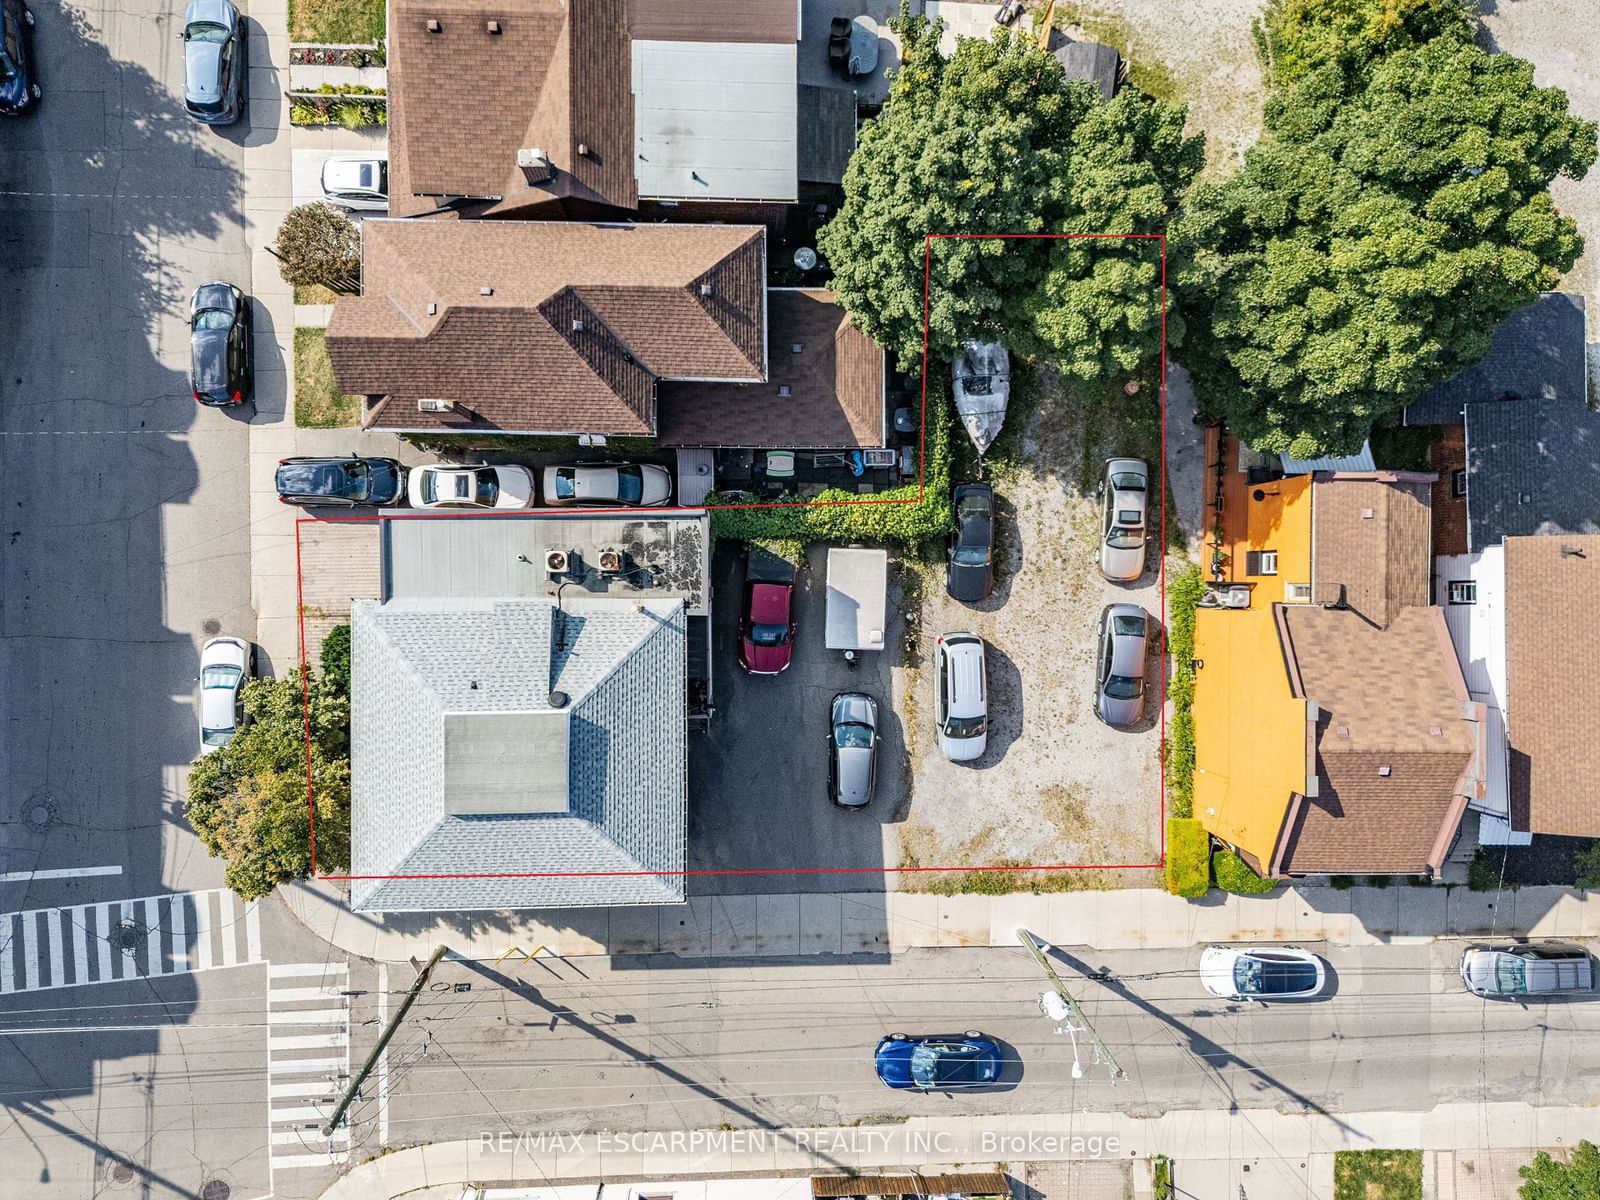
(960, 696)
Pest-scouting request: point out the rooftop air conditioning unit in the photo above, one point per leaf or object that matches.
(535, 164)
(556, 562)
(436, 406)
(611, 561)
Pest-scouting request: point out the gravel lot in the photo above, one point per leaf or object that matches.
(1055, 785)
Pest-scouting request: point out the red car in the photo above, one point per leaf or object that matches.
(766, 625)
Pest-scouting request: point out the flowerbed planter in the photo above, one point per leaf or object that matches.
(351, 105)
(338, 56)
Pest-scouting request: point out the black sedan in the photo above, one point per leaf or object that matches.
(219, 346)
(19, 77)
(342, 481)
(971, 574)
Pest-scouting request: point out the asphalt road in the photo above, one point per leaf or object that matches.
(655, 1044)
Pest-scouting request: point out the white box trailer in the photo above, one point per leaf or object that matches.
(857, 598)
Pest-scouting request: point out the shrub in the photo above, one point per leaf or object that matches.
(1484, 873)
(317, 244)
(896, 515)
(1183, 596)
(1379, 881)
(1341, 883)
(1234, 875)
(1589, 868)
(336, 659)
(1188, 857)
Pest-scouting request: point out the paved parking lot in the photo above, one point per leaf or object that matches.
(758, 779)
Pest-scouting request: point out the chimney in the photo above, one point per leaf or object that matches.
(433, 25)
(492, 27)
(535, 164)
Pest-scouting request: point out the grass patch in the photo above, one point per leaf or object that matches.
(1161, 1171)
(1183, 597)
(337, 21)
(1234, 875)
(1401, 447)
(1008, 882)
(314, 293)
(1377, 1175)
(318, 402)
(1188, 858)
(1148, 75)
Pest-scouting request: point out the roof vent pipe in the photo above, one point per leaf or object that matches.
(433, 25)
(492, 26)
(557, 700)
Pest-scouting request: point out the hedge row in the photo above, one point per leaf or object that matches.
(1188, 857)
(1233, 875)
(838, 515)
(1183, 596)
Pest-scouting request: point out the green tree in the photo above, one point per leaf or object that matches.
(1297, 37)
(1546, 1178)
(317, 243)
(1373, 240)
(247, 800)
(994, 140)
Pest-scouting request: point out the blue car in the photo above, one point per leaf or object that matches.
(19, 80)
(937, 1062)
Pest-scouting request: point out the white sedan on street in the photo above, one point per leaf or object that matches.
(225, 664)
(359, 182)
(1260, 972)
(633, 484)
(474, 485)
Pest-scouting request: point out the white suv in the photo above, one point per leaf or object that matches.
(960, 696)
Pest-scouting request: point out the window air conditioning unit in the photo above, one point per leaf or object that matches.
(436, 406)
(535, 164)
(611, 561)
(556, 562)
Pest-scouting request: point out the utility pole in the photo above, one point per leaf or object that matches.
(1102, 1052)
(423, 972)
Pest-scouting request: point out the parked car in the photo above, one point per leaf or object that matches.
(213, 62)
(1124, 492)
(938, 1062)
(638, 484)
(766, 623)
(219, 345)
(357, 181)
(970, 575)
(1119, 671)
(1256, 973)
(960, 696)
(19, 76)
(1532, 969)
(343, 481)
(225, 664)
(474, 485)
(852, 749)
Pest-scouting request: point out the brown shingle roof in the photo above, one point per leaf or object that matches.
(463, 101)
(835, 383)
(579, 323)
(1552, 688)
(1381, 694)
(713, 20)
(1370, 538)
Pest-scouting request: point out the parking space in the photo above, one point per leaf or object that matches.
(1055, 785)
(758, 778)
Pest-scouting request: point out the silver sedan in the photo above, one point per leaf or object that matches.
(852, 749)
(1124, 492)
(1119, 673)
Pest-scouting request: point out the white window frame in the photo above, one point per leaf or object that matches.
(1267, 562)
(1461, 591)
(1297, 593)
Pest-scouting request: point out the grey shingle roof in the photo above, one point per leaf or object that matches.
(622, 667)
(1533, 444)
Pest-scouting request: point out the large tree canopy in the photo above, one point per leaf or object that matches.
(247, 800)
(1546, 1178)
(1373, 240)
(994, 140)
(1297, 37)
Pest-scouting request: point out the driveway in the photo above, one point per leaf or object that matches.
(758, 778)
(1055, 786)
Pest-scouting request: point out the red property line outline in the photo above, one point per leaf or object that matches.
(927, 274)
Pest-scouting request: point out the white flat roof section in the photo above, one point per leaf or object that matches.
(1478, 632)
(716, 120)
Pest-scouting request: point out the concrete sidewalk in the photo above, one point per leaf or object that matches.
(1214, 1152)
(877, 923)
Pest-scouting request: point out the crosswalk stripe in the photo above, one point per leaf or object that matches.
(102, 929)
(229, 929)
(291, 970)
(152, 938)
(320, 1016)
(181, 958)
(202, 931)
(305, 1137)
(297, 1066)
(30, 948)
(304, 1112)
(8, 944)
(80, 951)
(319, 1041)
(127, 965)
(325, 1088)
(52, 935)
(290, 1162)
(252, 931)
(291, 995)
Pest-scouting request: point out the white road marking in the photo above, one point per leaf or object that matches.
(58, 958)
(291, 1081)
(290, 995)
(290, 970)
(292, 1161)
(306, 1137)
(293, 1066)
(80, 950)
(152, 939)
(102, 922)
(30, 948)
(122, 960)
(8, 944)
(229, 929)
(316, 1041)
(324, 1016)
(252, 931)
(181, 958)
(304, 1087)
(64, 873)
(202, 931)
